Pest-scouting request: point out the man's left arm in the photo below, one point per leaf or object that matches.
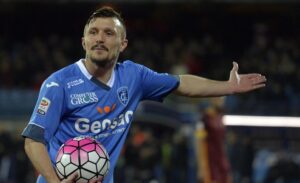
(195, 86)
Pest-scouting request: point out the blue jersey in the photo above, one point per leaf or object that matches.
(73, 103)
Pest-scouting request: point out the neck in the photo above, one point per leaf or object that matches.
(99, 71)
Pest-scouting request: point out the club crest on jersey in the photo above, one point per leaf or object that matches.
(123, 95)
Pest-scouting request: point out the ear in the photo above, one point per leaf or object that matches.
(83, 43)
(124, 44)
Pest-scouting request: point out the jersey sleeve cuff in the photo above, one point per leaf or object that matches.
(34, 132)
(172, 89)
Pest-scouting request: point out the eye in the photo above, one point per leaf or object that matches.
(109, 32)
(92, 31)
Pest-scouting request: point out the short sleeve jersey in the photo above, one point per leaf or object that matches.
(73, 103)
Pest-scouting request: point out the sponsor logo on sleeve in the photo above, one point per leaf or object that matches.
(43, 106)
(123, 95)
(74, 83)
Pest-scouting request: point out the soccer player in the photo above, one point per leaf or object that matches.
(97, 97)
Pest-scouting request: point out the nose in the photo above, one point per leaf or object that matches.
(100, 37)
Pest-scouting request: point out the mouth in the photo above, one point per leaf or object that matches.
(99, 48)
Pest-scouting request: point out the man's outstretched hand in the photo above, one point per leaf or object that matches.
(241, 83)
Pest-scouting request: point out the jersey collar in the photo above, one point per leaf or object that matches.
(86, 73)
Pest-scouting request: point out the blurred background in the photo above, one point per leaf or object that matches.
(182, 140)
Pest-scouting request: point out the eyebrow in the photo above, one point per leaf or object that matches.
(92, 28)
(118, 26)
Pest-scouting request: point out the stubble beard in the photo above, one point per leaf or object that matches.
(106, 62)
(103, 63)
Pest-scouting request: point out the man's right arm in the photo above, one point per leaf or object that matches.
(38, 155)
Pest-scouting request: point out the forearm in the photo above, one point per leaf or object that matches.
(40, 159)
(194, 86)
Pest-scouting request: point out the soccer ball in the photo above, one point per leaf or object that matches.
(84, 155)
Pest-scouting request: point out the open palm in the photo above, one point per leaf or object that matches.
(245, 82)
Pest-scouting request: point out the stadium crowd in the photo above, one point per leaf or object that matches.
(25, 64)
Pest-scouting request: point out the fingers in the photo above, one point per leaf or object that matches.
(96, 180)
(235, 66)
(254, 77)
(72, 177)
(259, 80)
(258, 86)
(251, 75)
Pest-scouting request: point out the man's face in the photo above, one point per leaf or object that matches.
(103, 40)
